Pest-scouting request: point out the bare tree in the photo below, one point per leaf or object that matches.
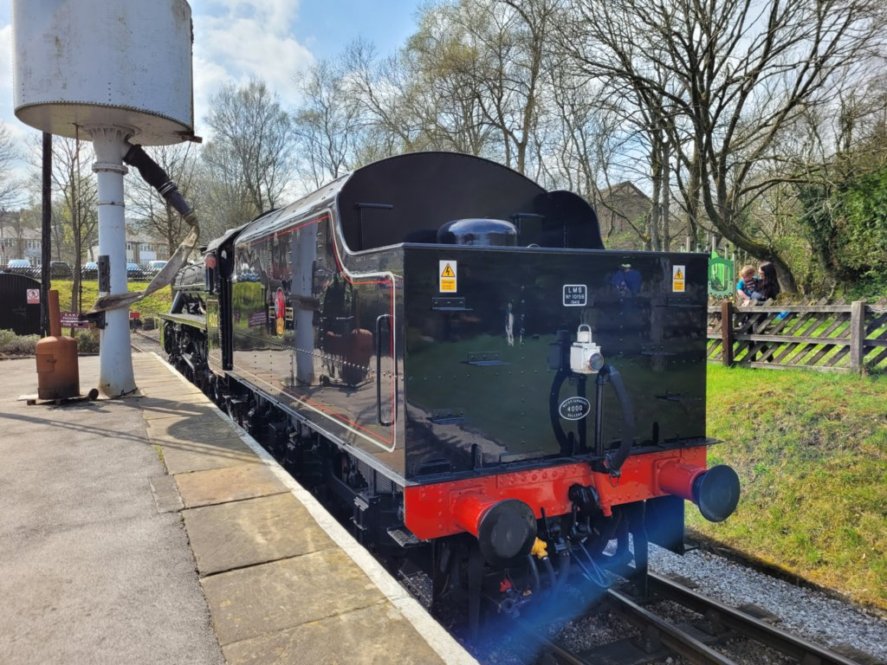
(252, 145)
(508, 40)
(737, 73)
(531, 23)
(10, 221)
(225, 201)
(470, 79)
(328, 124)
(396, 105)
(443, 91)
(151, 213)
(75, 204)
(9, 186)
(13, 224)
(586, 141)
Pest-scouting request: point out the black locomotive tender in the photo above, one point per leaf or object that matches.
(428, 342)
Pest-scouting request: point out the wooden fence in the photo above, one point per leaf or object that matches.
(824, 337)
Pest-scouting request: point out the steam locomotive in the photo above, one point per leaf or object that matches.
(445, 351)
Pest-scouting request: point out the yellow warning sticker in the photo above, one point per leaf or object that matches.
(678, 279)
(448, 276)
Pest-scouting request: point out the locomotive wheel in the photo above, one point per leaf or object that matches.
(215, 393)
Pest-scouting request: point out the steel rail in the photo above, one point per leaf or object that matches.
(561, 655)
(790, 645)
(672, 637)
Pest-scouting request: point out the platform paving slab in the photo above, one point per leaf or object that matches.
(152, 403)
(244, 481)
(159, 390)
(346, 639)
(173, 409)
(278, 585)
(207, 428)
(283, 594)
(254, 531)
(166, 495)
(168, 410)
(185, 458)
(146, 379)
(198, 444)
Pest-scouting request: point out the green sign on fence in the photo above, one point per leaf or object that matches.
(720, 275)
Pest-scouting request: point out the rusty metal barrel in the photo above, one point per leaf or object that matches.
(58, 375)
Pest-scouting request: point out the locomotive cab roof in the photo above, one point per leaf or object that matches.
(230, 234)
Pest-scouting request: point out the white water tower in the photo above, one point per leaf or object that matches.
(113, 73)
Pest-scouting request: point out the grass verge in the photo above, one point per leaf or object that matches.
(811, 453)
(158, 302)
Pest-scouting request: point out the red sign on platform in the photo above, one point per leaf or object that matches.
(33, 296)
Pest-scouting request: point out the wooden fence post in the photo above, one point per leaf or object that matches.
(727, 332)
(857, 335)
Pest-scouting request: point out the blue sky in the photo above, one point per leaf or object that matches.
(325, 26)
(235, 40)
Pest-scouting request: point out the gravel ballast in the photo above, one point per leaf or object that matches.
(810, 613)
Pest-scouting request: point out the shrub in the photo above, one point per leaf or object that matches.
(24, 345)
(17, 345)
(87, 341)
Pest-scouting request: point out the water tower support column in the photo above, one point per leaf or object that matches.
(115, 357)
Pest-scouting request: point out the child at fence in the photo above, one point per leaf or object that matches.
(747, 285)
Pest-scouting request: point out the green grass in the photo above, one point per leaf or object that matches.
(811, 453)
(157, 303)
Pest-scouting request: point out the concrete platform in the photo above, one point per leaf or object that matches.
(151, 530)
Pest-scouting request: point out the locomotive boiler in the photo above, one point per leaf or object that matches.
(446, 351)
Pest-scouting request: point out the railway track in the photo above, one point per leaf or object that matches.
(144, 343)
(723, 616)
(659, 639)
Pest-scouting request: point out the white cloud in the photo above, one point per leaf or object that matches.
(21, 135)
(235, 41)
(6, 62)
(274, 14)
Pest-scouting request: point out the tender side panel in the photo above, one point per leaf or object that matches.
(319, 338)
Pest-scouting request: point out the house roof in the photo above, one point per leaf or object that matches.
(625, 188)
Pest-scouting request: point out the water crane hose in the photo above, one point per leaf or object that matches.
(155, 176)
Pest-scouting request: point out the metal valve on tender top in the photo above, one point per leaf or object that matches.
(585, 355)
